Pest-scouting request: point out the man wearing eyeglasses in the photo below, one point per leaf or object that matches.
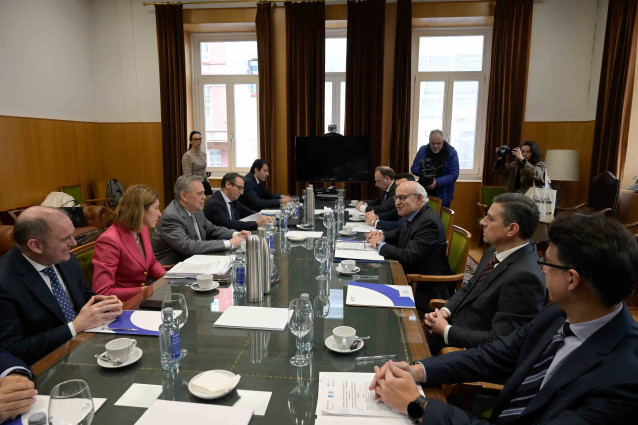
(384, 180)
(225, 209)
(419, 242)
(576, 362)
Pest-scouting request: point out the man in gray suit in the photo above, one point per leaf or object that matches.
(183, 230)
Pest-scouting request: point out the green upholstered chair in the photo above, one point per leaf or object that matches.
(84, 255)
(76, 191)
(435, 203)
(447, 217)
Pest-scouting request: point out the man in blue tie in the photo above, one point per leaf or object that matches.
(44, 298)
(575, 363)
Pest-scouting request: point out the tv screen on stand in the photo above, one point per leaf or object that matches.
(332, 158)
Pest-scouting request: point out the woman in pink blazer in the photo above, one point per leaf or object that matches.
(123, 259)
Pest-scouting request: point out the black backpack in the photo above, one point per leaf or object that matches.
(114, 190)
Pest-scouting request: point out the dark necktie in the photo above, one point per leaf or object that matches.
(403, 236)
(384, 196)
(60, 294)
(233, 211)
(532, 383)
(490, 267)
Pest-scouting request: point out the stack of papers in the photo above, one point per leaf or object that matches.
(344, 397)
(356, 250)
(359, 227)
(201, 264)
(252, 217)
(242, 317)
(177, 412)
(379, 295)
(133, 322)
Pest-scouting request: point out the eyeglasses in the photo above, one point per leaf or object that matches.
(543, 262)
(402, 198)
(379, 181)
(241, 188)
(196, 140)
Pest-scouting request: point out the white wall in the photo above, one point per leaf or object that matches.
(565, 56)
(79, 60)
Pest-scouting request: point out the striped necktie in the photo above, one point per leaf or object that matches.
(490, 267)
(60, 294)
(532, 383)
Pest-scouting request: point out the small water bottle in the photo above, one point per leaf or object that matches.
(170, 347)
(239, 271)
(308, 340)
(270, 235)
(274, 273)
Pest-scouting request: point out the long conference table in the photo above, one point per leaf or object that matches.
(260, 357)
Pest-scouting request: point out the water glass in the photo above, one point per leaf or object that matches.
(180, 311)
(71, 404)
(321, 254)
(300, 323)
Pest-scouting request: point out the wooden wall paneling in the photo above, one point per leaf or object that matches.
(466, 213)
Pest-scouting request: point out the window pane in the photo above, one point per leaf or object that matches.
(246, 132)
(342, 108)
(327, 115)
(456, 53)
(216, 125)
(431, 94)
(464, 105)
(336, 55)
(229, 58)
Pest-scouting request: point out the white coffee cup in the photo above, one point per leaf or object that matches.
(354, 202)
(205, 281)
(120, 349)
(348, 265)
(344, 336)
(356, 215)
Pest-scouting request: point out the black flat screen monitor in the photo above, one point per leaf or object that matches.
(333, 158)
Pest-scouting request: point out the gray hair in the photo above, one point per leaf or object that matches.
(183, 184)
(437, 131)
(420, 190)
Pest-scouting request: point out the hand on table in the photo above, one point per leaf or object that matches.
(395, 385)
(264, 219)
(99, 310)
(16, 396)
(374, 238)
(371, 216)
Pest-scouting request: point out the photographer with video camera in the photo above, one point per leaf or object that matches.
(437, 167)
(525, 168)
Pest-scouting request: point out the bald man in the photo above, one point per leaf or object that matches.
(44, 298)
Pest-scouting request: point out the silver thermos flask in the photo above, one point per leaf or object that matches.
(265, 258)
(254, 279)
(310, 205)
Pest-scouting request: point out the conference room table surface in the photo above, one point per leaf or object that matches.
(260, 357)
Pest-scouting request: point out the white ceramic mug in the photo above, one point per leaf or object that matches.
(344, 336)
(348, 265)
(120, 349)
(354, 202)
(205, 281)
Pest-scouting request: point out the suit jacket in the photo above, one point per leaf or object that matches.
(597, 383)
(9, 362)
(216, 212)
(256, 196)
(120, 268)
(510, 296)
(424, 253)
(380, 205)
(31, 321)
(388, 220)
(175, 239)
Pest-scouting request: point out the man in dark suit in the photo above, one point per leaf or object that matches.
(16, 388)
(225, 209)
(256, 196)
(44, 299)
(575, 363)
(388, 220)
(384, 180)
(418, 244)
(507, 289)
(183, 231)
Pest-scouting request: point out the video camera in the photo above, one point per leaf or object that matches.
(503, 150)
(427, 172)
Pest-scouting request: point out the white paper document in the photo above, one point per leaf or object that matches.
(177, 412)
(42, 405)
(359, 227)
(307, 234)
(140, 395)
(252, 217)
(357, 250)
(270, 212)
(255, 400)
(347, 394)
(201, 264)
(266, 318)
(379, 295)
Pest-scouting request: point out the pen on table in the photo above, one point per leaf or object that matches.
(380, 357)
(120, 329)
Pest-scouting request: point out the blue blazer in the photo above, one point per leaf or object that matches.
(597, 383)
(31, 321)
(216, 212)
(9, 361)
(444, 183)
(256, 196)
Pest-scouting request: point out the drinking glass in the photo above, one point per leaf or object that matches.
(71, 404)
(299, 323)
(180, 312)
(321, 254)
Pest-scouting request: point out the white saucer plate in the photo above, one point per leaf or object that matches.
(304, 226)
(297, 237)
(357, 219)
(347, 233)
(330, 343)
(195, 287)
(208, 396)
(341, 271)
(136, 354)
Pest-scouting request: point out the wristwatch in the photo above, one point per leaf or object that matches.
(523, 161)
(415, 408)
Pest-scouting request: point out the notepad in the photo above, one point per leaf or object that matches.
(133, 322)
(264, 318)
(379, 295)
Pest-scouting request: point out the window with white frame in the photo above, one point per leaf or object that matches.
(225, 90)
(451, 74)
(335, 80)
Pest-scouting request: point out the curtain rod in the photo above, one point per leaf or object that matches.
(146, 3)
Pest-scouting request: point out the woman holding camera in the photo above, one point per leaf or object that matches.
(194, 160)
(123, 259)
(525, 169)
